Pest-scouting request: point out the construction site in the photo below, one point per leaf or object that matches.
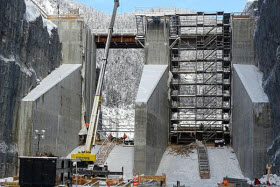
(203, 112)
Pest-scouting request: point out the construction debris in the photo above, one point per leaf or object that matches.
(82, 180)
(150, 180)
(183, 150)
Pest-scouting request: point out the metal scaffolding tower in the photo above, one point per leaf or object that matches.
(201, 69)
(200, 64)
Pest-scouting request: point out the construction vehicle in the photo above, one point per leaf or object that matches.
(85, 156)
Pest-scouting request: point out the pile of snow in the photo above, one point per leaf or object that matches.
(223, 163)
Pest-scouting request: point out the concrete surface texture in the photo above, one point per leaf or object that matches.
(55, 106)
(151, 119)
(243, 41)
(157, 42)
(78, 47)
(251, 123)
(184, 168)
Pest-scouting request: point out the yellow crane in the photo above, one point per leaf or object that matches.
(92, 130)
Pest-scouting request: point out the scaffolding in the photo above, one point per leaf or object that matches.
(200, 64)
(201, 68)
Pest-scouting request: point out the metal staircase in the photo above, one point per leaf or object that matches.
(203, 161)
(104, 151)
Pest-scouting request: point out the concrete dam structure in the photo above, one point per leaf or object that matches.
(61, 103)
(200, 82)
(209, 104)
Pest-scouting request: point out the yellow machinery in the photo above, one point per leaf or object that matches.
(92, 130)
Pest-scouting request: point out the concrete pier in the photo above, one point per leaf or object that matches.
(151, 119)
(55, 106)
(251, 123)
(78, 47)
(157, 42)
(243, 50)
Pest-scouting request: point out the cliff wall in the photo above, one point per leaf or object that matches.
(29, 50)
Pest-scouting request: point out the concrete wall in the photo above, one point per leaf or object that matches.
(243, 41)
(151, 119)
(55, 106)
(78, 47)
(157, 43)
(251, 124)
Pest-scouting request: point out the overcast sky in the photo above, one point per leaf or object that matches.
(198, 5)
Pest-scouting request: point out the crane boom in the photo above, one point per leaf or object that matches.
(97, 99)
(92, 130)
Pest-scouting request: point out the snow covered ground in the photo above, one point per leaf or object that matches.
(223, 162)
(121, 157)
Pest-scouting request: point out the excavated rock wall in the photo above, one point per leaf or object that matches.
(267, 39)
(28, 53)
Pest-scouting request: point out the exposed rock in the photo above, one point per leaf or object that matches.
(27, 54)
(267, 38)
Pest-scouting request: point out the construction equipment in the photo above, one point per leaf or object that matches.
(86, 155)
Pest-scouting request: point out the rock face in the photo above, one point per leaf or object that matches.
(28, 53)
(267, 38)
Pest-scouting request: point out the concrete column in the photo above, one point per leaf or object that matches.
(55, 106)
(243, 50)
(157, 42)
(151, 119)
(78, 47)
(251, 123)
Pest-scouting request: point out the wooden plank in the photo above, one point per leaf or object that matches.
(152, 177)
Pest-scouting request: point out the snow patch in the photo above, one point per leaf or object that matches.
(3, 147)
(32, 13)
(10, 59)
(25, 70)
(50, 26)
